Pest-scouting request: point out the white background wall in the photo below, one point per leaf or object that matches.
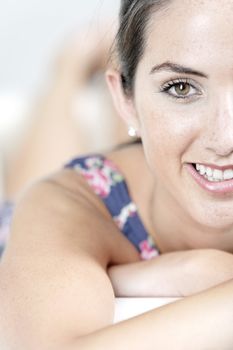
(30, 30)
(31, 35)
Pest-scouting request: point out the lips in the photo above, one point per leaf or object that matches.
(218, 187)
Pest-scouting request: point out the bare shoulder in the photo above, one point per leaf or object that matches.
(64, 211)
(55, 264)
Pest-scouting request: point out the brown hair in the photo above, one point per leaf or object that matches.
(130, 39)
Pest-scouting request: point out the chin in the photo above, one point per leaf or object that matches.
(215, 216)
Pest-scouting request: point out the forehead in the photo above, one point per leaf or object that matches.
(189, 30)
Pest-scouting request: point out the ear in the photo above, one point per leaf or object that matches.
(123, 103)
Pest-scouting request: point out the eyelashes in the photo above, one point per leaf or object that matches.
(182, 89)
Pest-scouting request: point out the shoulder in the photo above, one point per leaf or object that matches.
(62, 209)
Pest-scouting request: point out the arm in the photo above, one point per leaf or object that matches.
(55, 293)
(53, 281)
(173, 274)
(199, 322)
(53, 284)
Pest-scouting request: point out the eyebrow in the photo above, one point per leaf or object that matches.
(174, 67)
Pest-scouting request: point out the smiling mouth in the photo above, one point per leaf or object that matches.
(213, 174)
(210, 184)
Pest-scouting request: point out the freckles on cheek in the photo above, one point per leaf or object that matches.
(157, 142)
(166, 140)
(171, 132)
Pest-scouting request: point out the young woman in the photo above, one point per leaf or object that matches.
(150, 219)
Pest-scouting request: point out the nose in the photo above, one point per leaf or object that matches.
(219, 131)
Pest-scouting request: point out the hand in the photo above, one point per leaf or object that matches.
(175, 274)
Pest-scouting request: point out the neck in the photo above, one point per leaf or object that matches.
(174, 229)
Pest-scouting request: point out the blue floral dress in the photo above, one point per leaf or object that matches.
(107, 181)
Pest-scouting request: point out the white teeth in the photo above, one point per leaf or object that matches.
(202, 169)
(228, 174)
(214, 174)
(210, 178)
(218, 174)
(209, 172)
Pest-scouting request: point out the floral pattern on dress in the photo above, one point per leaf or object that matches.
(101, 175)
(148, 249)
(128, 211)
(109, 184)
(105, 178)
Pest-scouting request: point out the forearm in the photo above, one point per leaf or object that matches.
(158, 277)
(173, 274)
(190, 323)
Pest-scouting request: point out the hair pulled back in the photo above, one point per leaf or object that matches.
(130, 40)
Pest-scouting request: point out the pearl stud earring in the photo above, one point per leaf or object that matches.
(132, 131)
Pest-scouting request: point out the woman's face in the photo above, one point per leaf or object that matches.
(192, 121)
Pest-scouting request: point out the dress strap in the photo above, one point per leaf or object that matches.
(107, 181)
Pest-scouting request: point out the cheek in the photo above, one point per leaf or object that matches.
(167, 138)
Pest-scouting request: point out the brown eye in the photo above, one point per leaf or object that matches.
(182, 89)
